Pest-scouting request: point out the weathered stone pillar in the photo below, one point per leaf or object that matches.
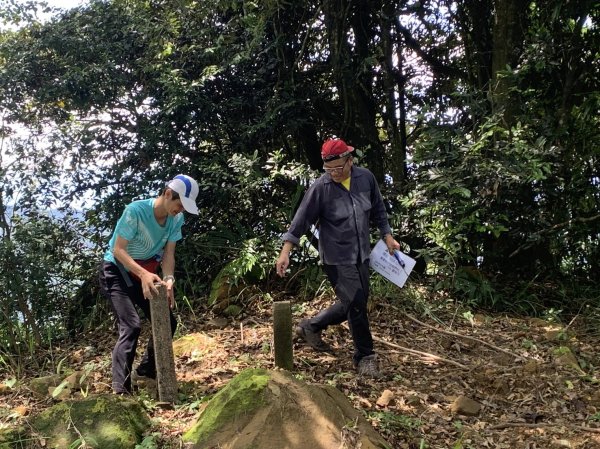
(163, 347)
(282, 335)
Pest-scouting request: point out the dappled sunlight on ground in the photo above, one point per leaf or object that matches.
(518, 371)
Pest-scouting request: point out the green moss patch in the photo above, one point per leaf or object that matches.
(13, 438)
(243, 394)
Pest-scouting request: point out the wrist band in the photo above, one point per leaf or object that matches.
(169, 277)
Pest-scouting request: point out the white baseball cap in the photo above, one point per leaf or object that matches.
(187, 188)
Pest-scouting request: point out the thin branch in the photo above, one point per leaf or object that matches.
(508, 425)
(436, 65)
(424, 355)
(587, 429)
(554, 228)
(465, 337)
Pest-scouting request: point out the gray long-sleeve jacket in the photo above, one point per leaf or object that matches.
(344, 217)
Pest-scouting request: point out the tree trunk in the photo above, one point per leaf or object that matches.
(475, 17)
(30, 324)
(395, 112)
(354, 75)
(508, 33)
(289, 50)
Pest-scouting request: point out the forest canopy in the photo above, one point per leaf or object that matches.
(479, 118)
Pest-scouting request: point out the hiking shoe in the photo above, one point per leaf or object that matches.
(141, 372)
(122, 393)
(369, 367)
(313, 339)
(121, 390)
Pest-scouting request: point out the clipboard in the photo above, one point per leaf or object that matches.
(390, 266)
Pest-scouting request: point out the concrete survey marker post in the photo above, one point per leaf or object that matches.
(282, 335)
(166, 378)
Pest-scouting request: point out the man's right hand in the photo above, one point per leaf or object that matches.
(148, 284)
(283, 262)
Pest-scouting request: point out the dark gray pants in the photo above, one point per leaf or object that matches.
(123, 300)
(351, 285)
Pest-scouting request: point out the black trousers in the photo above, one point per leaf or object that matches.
(351, 285)
(124, 300)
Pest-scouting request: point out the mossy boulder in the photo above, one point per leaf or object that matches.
(104, 422)
(236, 275)
(272, 409)
(563, 356)
(232, 310)
(237, 400)
(222, 288)
(41, 386)
(67, 384)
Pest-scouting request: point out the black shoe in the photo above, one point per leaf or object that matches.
(122, 393)
(313, 339)
(368, 366)
(142, 371)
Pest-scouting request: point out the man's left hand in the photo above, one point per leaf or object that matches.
(391, 243)
(170, 292)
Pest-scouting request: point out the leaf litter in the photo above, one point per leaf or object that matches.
(529, 395)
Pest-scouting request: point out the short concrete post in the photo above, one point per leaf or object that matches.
(163, 346)
(282, 335)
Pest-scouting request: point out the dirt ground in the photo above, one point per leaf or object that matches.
(451, 379)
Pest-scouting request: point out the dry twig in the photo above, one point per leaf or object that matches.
(425, 355)
(466, 337)
(507, 425)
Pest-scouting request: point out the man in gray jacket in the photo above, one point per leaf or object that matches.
(343, 201)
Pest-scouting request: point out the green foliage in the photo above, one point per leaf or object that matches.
(149, 442)
(394, 423)
(473, 286)
(493, 167)
(594, 417)
(40, 270)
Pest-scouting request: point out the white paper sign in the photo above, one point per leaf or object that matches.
(388, 266)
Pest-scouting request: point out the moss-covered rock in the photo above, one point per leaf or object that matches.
(563, 356)
(58, 386)
(221, 288)
(272, 409)
(42, 385)
(232, 310)
(104, 422)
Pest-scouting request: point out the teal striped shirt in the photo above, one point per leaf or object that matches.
(139, 227)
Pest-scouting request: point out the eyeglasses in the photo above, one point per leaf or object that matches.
(331, 170)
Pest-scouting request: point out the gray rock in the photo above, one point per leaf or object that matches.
(465, 406)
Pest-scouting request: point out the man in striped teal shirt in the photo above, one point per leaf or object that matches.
(143, 241)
